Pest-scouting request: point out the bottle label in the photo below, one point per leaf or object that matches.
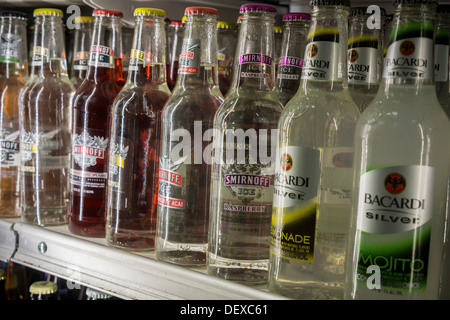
(189, 60)
(255, 65)
(289, 68)
(119, 173)
(363, 65)
(11, 46)
(87, 152)
(81, 60)
(441, 53)
(101, 56)
(409, 59)
(296, 182)
(10, 149)
(40, 55)
(42, 145)
(394, 222)
(171, 190)
(321, 61)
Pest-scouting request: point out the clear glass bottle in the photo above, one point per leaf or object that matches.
(401, 171)
(92, 106)
(441, 56)
(13, 75)
(185, 165)
(175, 32)
(295, 31)
(278, 42)
(387, 28)
(226, 47)
(244, 147)
(365, 55)
(136, 136)
(127, 46)
(311, 206)
(45, 125)
(84, 27)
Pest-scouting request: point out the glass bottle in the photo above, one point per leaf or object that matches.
(16, 282)
(401, 171)
(136, 136)
(92, 106)
(84, 27)
(45, 125)
(387, 28)
(185, 164)
(441, 56)
(314, 166)
(127, 43)
(175, 41)
(278, 42)
(226, 47)
(295, 31)
(244, 147)
(13, 75)
(365, 54)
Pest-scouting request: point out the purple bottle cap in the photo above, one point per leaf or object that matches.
(296, 16)
(257, 7)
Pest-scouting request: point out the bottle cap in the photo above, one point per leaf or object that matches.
(107, 13)
(43, 287)
(83, 19)
(47, 12)
(278, 29)
(257, 8)
(226, 25)
(93, 294)
(317, 3)
(13, 14)
(362, 11)
(149, 12)
(296, 16)
(176, 23)
(201, 11)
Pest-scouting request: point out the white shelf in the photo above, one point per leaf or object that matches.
(127, 275)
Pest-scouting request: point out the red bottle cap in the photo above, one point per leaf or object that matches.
(201, 10)
(106, 12)
(176, 23)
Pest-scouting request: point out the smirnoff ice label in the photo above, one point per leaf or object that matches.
(255, 65)
(321, 61)
(9, 149)
(296, 181)
(101, 56)
(11, 46)
(189, 61)
(289, 68)
(394, 222)
(410, 58)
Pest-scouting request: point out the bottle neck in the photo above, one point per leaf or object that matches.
(325, 59)
(255, 52)
(81, 48)
(48, 55)
(13, 47)
(198, 58)
(148, 54)
(365, 51)
(441, 50)
(292, 50)
(410, 54)
(105, 58)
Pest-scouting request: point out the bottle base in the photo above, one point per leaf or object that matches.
(87, 229)
(183, 254)
(131, 240)
(48, 216)
(243, 271)
(307, 290)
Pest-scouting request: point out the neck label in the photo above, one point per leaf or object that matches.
(363, 65)
(410, 58)
(441, 52)
(321, 61)
(189, 57)
(101, 56)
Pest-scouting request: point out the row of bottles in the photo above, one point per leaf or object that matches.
(258, 186)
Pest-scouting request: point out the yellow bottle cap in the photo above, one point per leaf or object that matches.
(226, 25)
(278, 29)
(43, 287)
(83, 19)
(47, 12)
(149, 12)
